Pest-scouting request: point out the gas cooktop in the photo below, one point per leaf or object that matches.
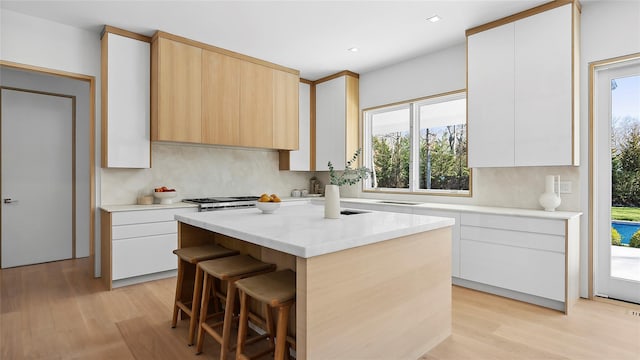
(223, 202)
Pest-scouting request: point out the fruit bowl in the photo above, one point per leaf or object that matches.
(267, 207)
(165, 197)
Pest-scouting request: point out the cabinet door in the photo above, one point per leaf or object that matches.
(543, 82)
(490, 95)
(285, 110)
(330, 124)
(125, 102)
(529, 271)
(220, 99)
(300, 160)
(256, 105)
(144, 255)
(177, 108)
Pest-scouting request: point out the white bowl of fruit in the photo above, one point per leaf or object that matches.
(164, 194)
(268, 203)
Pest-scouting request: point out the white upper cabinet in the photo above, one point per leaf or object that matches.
(520, 85)
(125, 102)
(337, 108)
(491, 97)
(543, 127)
(300, 160)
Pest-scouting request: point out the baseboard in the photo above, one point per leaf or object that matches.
(516, 295)
(143, 278)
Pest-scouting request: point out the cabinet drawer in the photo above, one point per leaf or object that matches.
(514, 238)
(534, 272)
(146, 216)
(145, 255)
(517, 223)
(148, 229)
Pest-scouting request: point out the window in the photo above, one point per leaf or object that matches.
(418, 146)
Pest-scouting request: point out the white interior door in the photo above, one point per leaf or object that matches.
(618, 276)
(37, 178)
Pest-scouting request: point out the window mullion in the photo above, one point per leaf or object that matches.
(414, 180)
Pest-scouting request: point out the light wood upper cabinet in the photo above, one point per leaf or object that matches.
(337, 110)
(256, 110)
(220, 99)
(204, 94)
(176, 85)
(125, 100)
(301, 159)
(522, 76)
(285, 110)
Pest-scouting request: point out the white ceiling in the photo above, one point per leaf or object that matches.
(311, 36)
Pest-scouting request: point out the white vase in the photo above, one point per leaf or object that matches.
(332, 202)
(549, 199)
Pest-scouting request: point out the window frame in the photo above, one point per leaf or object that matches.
(414, 137)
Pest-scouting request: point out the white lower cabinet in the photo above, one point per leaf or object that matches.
(138, 245)
(532, 258)
(455, 234)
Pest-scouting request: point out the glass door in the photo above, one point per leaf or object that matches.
(617, 181)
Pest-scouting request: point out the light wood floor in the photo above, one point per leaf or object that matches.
(56, 311)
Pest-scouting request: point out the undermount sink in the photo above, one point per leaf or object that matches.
(352, 212)
(397, 202)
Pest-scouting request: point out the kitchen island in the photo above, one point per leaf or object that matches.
(372, 285)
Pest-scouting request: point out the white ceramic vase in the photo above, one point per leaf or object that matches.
(332, 201)
(549, 199)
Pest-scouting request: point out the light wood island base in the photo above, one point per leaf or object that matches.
(387, 300)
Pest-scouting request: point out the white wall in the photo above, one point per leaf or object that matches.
(609, 29)
(200, 170)
(79, 89)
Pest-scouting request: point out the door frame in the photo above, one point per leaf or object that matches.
(593, 68)
(92, 148)
(73, 159)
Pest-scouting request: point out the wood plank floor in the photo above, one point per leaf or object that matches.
(57, 311)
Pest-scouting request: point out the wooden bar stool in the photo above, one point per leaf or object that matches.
(229, 269)
(191, 306)
(276, 290)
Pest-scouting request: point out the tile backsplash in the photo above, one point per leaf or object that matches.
(201, 170)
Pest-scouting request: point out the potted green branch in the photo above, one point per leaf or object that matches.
(347, 177)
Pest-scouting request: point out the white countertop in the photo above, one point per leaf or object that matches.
(560, 215)
(300, 228)
(134, 207)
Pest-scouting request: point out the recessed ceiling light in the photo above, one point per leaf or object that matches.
(353, 49)
(434, 18)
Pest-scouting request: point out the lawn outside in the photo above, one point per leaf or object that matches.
(625, 213)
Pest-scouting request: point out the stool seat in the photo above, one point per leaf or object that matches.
(273, 288)
(276, 290)
(233, 266)
(195, 254)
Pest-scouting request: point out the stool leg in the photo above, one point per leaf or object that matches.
(206, 292)
(195, 304)
(174, 319)
(228, 319)
(243, 323)
(281, 335)
(268, 315)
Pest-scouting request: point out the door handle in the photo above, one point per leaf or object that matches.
(9, 201)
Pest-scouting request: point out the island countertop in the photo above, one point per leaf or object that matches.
(300, 229)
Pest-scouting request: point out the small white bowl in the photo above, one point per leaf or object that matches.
(165, 196)
(267, 207)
